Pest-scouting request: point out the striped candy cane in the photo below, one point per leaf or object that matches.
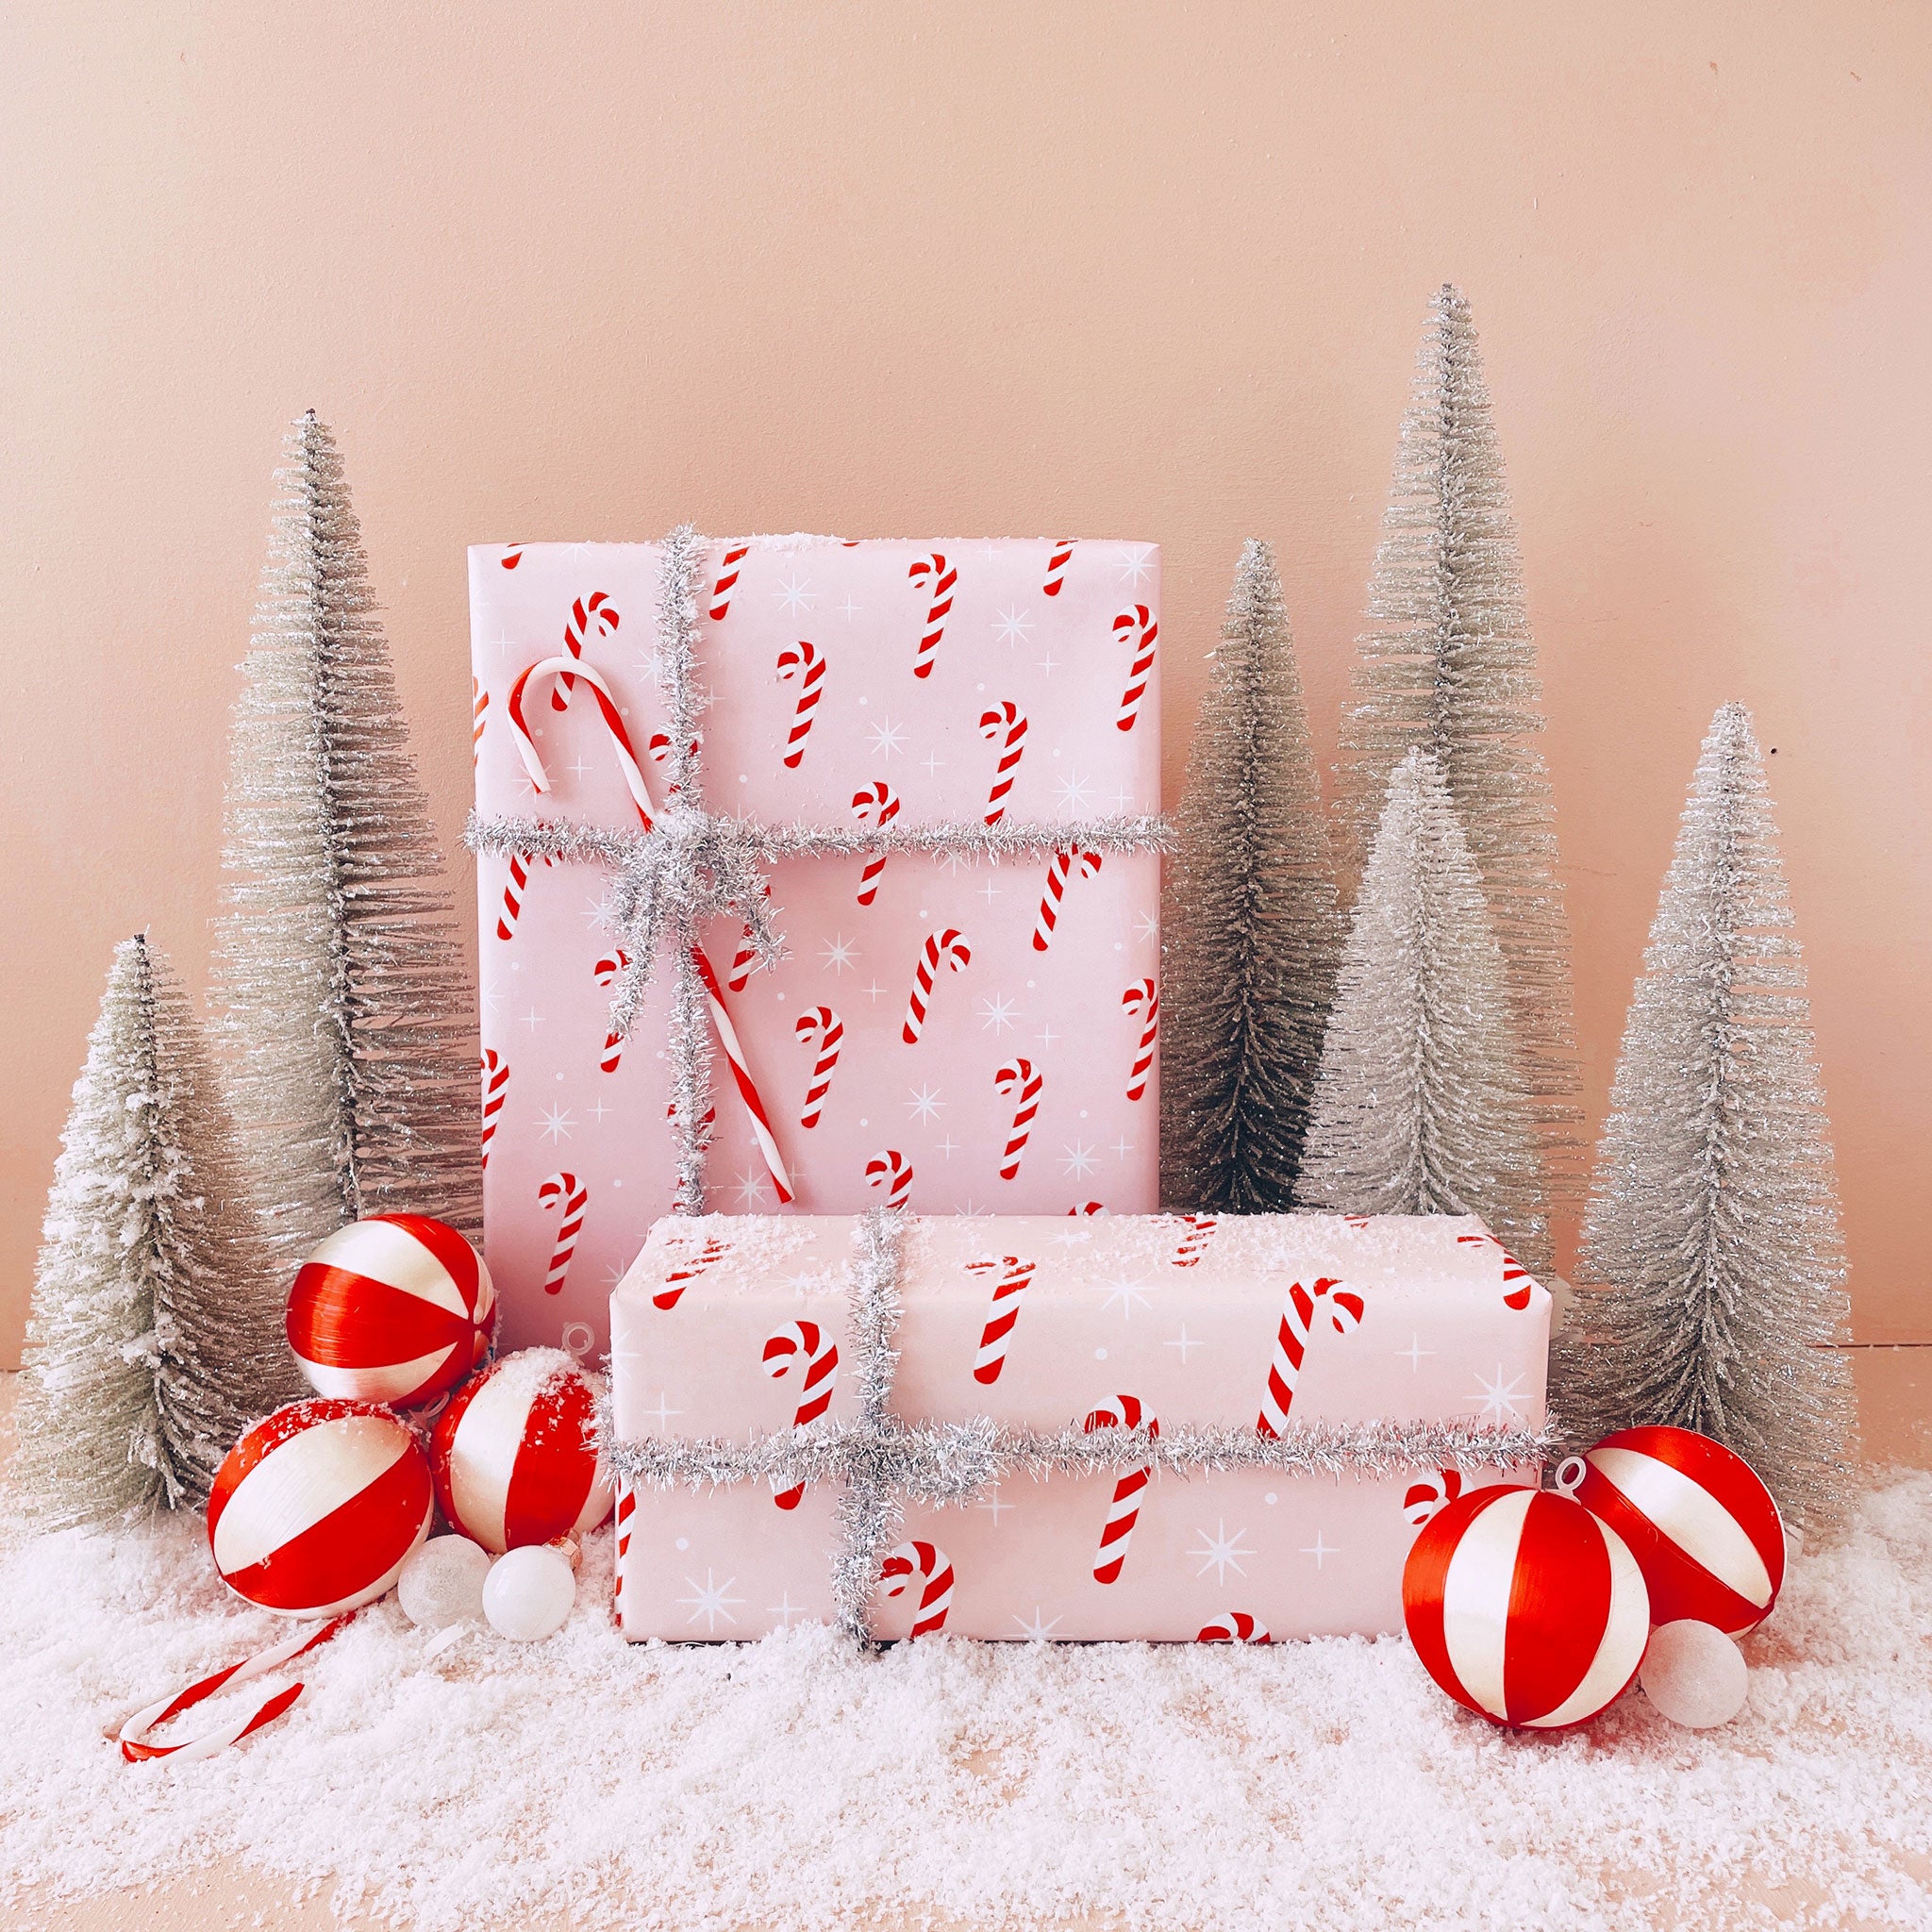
(495, 1079)
(1018, 1081)
(1422, 1500)
(571, 1197)
(1058, 873)
(479, 703)
(658, 745)
(688, 1271)
(819, 1027)
(627, 1508)
(801, 660)
(1011, 1274)
(944, 578)
(604, 972)
(1121, 1412)
(514, 891)
(1513, 1270)
(595, 615)
(1007, 722)
(875, 805)
(1234, 1626)
(891, 1170)
(133, 1736)
(705, 1125)
(1144, 999)
(513, 556)
(728, 579)
(934, 1568)
(1094, 1209)
(1057, 566)
(619, 735)
(804, 1344)
(953, 949)
(745, 960)
(1193, 1244)
(1344, 1309)
(1145, 629)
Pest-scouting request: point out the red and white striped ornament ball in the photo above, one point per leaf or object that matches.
(396, 1309)
(1524, 1608)
(516, 1453)
(318, 1505)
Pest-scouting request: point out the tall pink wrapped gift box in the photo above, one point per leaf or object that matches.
(948, 681)
(1386, 1362)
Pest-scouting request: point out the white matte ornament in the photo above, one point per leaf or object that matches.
(443, 1582)
(1694, 1675)
(529, 1592)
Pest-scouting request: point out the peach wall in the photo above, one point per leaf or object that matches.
(580, 271)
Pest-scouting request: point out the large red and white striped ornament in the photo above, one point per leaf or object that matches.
(495, 1069)
(934, 1569)
(1702, 1525)
(875, 805)
(890, 1169)
(806, 1346)
(944, 578)
(804, 662)
(1124, 1509)
(1343, 1309)
(394, 1307)
(949, 946)
(1005, 724)
(570, 1197)
(315, 1509)
(822, 1029)
(1059, 869)
(1524, 1608)
(516, 1452)
(1139, 624)
(1011, 1276)
(1020, 1082)
(726, 581)
(1058, 559)
(1143, 1002)
(1234, 1626)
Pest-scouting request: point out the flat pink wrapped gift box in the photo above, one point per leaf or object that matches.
(1157, 1318)
(578, 1153)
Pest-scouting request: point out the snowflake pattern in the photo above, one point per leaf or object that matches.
(1126, 1293)
(1013, 627)
(888, 739)
(1504, 1401)
(796, 594)
(711, 1600)
(1220, 1552)
(556, 1123)
(925, 1102)
(1134, 567)
(996, 1015)
(840, 953)
(1077, 1160)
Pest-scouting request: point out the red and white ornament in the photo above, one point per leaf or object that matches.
(395, 1308)
(1524, 1608)
(318, 1505)
(516, 1452)
(1702, 1525)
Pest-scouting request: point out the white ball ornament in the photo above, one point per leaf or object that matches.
(1694, 1675)
(528, 1593)
(443, 1582)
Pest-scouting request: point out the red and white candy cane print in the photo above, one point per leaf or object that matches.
(605, 972)
(1010, 1277)
(1143, 628)
(1142, 999)
(944, 578)
(1005, 724)
(658, 745)
(875, 805)
(745, 959)
(479, 703)
(891, 1170)
(1058, 871)
(820, 1027)
(806, 1346)
(728, 580)
(592, 616)
(934, 1569)
(1343, 1307)
(1234, 1626)
(1062, 555)
(133, 1736)
(1020, 1082)
(627, 1508)
(567, 1195)
(1193, 1244)
(1420, 1500)
(688, 1270)
(1517, 1281)
(495, 1080)
(951, 947)
(515, 888)
(618, 736)
(801, 660)
(1095, 1208)
(1123, 1511)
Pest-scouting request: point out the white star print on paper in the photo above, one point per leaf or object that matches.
(925, 1102)
(556, 1122)
(1413, 1354)
(888, 739)
(1184, 1341)
(750, 1188)
(1220, 1552)
(1078, 1161)
(1147, 925)
(784, 1609)
(950, 1147)
(1039, 1630)
(1074, 792)
(796, 594)
(840, 953)
(1502, 1400)
(1013, 627)
(598, 911)
(1134, 567)
(994, 1507)
(1318, 1549)
(1126, 1293)
(997, 1014)
(660, 1415)
(711, 1600)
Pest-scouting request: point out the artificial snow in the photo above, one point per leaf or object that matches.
(793, 1783)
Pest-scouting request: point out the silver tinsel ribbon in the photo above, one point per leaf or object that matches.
(693, 865)
(882, 1459)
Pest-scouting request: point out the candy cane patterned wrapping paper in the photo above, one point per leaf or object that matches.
(1021, 1343)
(828, 708)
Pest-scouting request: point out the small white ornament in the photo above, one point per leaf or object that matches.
(1694, 1675)
(528, 1593)
(443, 1582)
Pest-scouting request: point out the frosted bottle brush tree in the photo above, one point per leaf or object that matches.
(1251, 924)
(1711, 1256)
(1448, 663)
(1420, 1107)
(348, 1014)
(155, 1332)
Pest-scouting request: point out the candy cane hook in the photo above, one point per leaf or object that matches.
(1145, 629)
(1019, 1082)
(948, 946)
(891, 1170)
(605, 972)
(934, 1568)
(1058, 871)
(805, 1345)
(566, 1193)
(1010, 1279)
(1142, 998)
(1343, 1307)
(1007, 722)
(688, 1271)
(875, 805)
(495, 1071)
(944, 578)
(1123, 1511)
(596, 614)
(801, 660)
(822, 1027)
